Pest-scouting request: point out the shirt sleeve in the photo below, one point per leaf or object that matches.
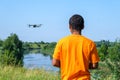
(57, 51)
(94, 58)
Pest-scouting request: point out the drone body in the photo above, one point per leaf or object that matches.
(35, 25)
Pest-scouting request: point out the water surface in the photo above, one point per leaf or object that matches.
(38, 60)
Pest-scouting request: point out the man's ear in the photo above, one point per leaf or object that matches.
(70, 27)
(82, 27)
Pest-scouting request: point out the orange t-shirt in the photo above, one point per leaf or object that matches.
(75, 52)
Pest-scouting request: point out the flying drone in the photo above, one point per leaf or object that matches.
(34, 25)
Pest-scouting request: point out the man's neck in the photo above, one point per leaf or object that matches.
(74, 32)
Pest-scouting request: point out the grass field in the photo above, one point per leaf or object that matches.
(18, 73)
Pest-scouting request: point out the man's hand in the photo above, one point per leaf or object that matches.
(93, 65)
(55, 62)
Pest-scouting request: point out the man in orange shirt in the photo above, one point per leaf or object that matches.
(75, 54)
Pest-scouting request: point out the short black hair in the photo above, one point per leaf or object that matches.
(77, 22)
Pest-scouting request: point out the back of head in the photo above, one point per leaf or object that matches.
(77, 22)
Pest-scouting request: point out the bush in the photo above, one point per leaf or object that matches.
(113, 60)
(12, 53)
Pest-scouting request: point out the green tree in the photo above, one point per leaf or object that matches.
(42, 42)
(103, 51)
(1, 42)
(48, 48)
(26, 45)
(113, 60)
(12, 53)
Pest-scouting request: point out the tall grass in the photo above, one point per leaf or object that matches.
(18, 73)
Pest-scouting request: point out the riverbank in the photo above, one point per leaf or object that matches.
(19, 73)
(40, 47)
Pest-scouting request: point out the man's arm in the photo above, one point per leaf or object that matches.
(94, 58)
(56, 62)
(93, 65)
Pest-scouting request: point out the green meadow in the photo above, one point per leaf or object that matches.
(19, 73)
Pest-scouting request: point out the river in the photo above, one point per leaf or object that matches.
(38, 60)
